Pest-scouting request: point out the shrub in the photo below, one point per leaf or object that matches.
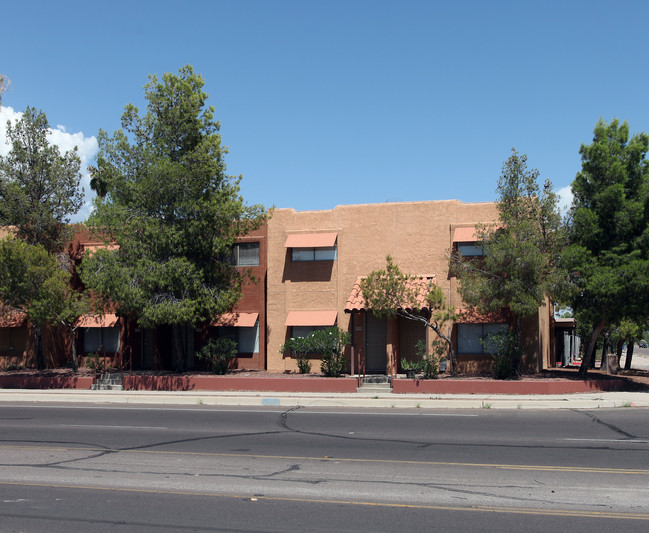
(507, 354)
(329, 343)
(430, 362)
(219, 352)
(299, 348)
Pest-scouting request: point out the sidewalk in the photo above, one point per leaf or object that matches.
(594, 400)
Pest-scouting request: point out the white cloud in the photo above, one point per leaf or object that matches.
(86, 150)
(565, 199)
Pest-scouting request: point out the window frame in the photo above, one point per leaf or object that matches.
(310, 254)
(497, 327)
(235, 256)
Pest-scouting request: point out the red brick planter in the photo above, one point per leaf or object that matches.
(235, 383)
(476, 386)
(45, 382)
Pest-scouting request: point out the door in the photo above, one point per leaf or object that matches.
(375, 344)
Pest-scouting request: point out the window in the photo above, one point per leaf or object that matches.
(104, 339)
(303, 331)
(470, 249)
(245, 254)
(247, 338)
(470, 337)
(327, 253)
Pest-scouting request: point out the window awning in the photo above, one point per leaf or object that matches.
(465, 234)
(236, 320)
(311, 318)
(311, 240)
(109, 320)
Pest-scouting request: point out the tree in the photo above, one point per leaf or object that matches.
(608, 230)
(519, 268)
(389, 293)
(167, 203)
(33, 282)
(4, 83)
(39, 187)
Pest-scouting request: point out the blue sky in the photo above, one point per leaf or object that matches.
(333, 102)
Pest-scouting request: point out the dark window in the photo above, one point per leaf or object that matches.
(245, 254)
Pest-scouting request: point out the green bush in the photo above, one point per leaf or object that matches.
(430, 362)
(507, 354)
(299, 348)
(329, 343)
(219, 352)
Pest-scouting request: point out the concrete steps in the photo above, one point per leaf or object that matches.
(375, 385)
(108, 382)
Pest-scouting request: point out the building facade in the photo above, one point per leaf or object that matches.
(315, 261)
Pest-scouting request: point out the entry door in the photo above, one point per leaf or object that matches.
(375, 344)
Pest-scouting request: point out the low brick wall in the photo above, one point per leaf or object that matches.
(45, 382)
(234, 383)
(476, 386)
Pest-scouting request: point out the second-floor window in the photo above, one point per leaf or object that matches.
(245, 254)
(327, 253)
(470, 249)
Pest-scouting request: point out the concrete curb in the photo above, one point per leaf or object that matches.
(357, 400)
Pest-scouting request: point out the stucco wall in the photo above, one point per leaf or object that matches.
(417, 235)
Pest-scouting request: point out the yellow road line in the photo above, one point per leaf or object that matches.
(481, 509)
(547, 468)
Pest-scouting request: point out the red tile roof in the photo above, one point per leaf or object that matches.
(422, 284)
(10, 318)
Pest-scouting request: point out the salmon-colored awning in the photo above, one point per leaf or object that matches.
(108, 320)
(237, 320)
(465, 234)
(311, 318)
(311, 240)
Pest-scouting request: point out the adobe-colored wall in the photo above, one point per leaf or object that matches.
(417, 235)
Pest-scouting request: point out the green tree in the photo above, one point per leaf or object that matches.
(519, 268)
(390, 293)
(39, 187)
(608, 251)
(4, 83)
(33, 281)
(168, 204)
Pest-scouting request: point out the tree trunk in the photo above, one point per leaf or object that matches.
(620, 345)
(180, 349)
(75, 363)
(629, 353)
(588, 354)
(38, 347)
(604, 366)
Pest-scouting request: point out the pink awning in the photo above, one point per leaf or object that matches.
(311, 318)
(465, 234)
(237, 320)
(311, 240)
(108, 320)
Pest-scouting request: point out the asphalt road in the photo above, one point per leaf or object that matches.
(80, 468)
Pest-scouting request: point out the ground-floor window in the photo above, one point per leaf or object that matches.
(247, 338)
(13, 339)
(304, 331)
(474, 338)
(101, 339)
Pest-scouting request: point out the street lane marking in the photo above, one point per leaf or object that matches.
(479, 508)
(109, 427)
(627, 441)
(536, 468)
